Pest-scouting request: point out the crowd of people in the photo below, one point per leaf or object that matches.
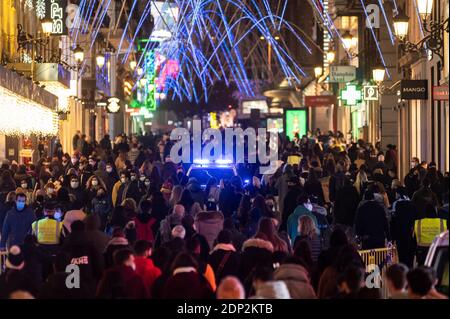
(135, 226)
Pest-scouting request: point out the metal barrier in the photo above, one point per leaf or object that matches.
(381, 258)
(3, 255)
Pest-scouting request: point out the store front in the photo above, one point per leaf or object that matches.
(28, 112)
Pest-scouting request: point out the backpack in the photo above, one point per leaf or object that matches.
(145, 231)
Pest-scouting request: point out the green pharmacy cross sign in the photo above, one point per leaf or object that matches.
(351, 95)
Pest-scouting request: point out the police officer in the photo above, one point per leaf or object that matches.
(48, 229)
(425, 230)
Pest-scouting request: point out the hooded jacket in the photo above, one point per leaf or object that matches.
(209, 224)
(296, 279)
(225, 261)
(255, 252)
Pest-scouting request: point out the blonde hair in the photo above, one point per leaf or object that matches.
(307, 227)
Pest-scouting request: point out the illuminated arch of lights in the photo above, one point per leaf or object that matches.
(211, 40)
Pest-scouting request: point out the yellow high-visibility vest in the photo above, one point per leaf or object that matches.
(47, 231)
(427, 229)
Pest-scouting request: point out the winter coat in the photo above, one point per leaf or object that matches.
(114, 244)
(225, 261)
(122, 282)
(144, 227)
(402, 230)
(314, 188)
(345, 206)
(165, 228)
(196, 191)
(336, 183)
(56, 288)
(371, 225)
(255, 252)
(95, 235)
(187, 285)
(147, 270)
(272, 290)
(296, 279)
(209, 224)
(16, 226)
(83, 253)
(424, 199)
(290, 204)
(283, 188)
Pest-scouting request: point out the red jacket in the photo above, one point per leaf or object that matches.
(147, 270)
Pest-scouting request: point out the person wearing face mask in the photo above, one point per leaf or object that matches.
(17, 223)
(93, 185)
(76, 191)
(85, 173)
(26, 190)
(74, 162)
(102, 206)
(93, 162)
(129, 187)
(50, 190)
(304, 208)
(48, 229)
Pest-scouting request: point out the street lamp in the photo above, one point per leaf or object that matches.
(47, 26)
(100, 59)
(318, 71)
(331, 55)
(401, 24)
(348, 40)
(78, 54)
(378, 73)
(435, 31)
(424, 7)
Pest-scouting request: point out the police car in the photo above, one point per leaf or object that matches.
(203, 170)
(437, 258)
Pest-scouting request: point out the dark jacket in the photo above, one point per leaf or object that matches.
(314, 188)
(55, 288)
(122, 282)
(422, 200)
(336, 183)
(225, 261)
(255, 253)
(371, 225)
(345, 206)
(187, 285)
(16, 226)
(402, 230)
(196, 191)
(83, 253)
(13, 280)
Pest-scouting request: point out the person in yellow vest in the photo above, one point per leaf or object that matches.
(48, 229)
(425, 230)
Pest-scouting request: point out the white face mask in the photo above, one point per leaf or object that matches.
(94, 183)
(133, 178)
(74, 184)
(147, 183)
(109, 169)
(413, 164)
(57, 215)
(74, 160)
(24, 185)
(50, 191)
(123, 180)
(308, 206)
(142, 178)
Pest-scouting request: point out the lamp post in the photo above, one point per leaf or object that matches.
(24, 39)
(433, 41)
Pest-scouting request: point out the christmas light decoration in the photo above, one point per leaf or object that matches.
(24, 117)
